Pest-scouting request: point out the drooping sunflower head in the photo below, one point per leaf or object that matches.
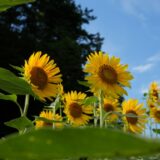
(111, 105)
(155, 114)
(154, 91)
(135, 116)
(49, 115)
(43, 75)
(107, 74)
(77, 113)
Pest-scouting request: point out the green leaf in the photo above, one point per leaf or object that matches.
(5, 4)
(84, 83)
(20, 123)
(106, 114)
(56, 104)
(133, 115)
(156, 130)
(11, 97)
(90, 100)
(145, 94)
(46, 120)
(13, 84)
(17, 68)
(72, 143)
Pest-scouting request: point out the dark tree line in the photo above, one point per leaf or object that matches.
(51, 26)
(54, 27)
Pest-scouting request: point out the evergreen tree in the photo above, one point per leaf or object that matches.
(51, 26)
(54, 27)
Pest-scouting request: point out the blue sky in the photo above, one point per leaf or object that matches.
(131, 29)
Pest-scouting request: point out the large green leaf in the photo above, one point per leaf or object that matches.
(11, 97)
(5, 4)
(13, 84)
(73, 143)
(90, 100)
(20, 123)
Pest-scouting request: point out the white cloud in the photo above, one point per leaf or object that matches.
(154, 58)
(140, 8)
(143, 68)
(133, 8)
(150, 63)
(144, 90)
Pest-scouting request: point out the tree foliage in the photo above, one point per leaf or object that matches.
(54, 27)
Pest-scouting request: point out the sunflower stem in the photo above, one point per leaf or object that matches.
(26, 104)
(60, 107)
(95, 115)
(101, 108)
(150, 127)
(54, 112)
(20, 109)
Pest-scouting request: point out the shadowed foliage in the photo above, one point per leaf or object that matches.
(54, 27)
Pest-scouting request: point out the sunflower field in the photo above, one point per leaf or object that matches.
(96, 124)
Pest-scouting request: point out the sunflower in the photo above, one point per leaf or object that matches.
(107, 74)
(154, 91)
(135, 117)
(76, 111)
(111, 105)
(151, 104)
(43, 75)
(50, 116)
(155, 114)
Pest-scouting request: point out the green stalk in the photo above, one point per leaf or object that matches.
(26, 104)
(20, 109)
(101, 108)
(150, 127)
(95, 115)
(60, 107)
(54, 112)
(125, 128)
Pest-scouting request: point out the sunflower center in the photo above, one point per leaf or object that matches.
(39, 77)
(108, 74)
(155, 93)
(108, 107)
(157, 114)
(47, 124)
(151, 106)
(75, 110)
(132, 120)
